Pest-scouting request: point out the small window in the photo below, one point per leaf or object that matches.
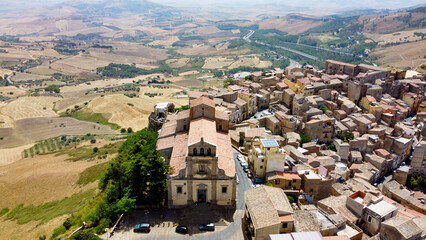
(294, 180)
(224, 189)
(277, 182)
(261, 167)
(285, 225)
(195, 152)
(202, 151)
(369, 219)
(312, 190)
(209, 152)
(179, 190)
(184, 127)
(263, 160)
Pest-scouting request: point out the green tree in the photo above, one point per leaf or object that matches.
(52, 88)
(137, 175)
(323, 108)
(304, 138)
(129, 130)
(291, 199)
(95, 149)
(123, 130)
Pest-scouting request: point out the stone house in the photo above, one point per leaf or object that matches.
(370, 210)
(267, 211)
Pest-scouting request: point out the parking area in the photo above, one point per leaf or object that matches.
(164, 222)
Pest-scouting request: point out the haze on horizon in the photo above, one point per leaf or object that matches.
(315, 7)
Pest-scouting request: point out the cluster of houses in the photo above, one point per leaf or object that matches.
(334, 147)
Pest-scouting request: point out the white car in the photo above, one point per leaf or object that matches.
(240, 157)
(243, 162)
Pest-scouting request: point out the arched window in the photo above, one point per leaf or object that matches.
(202, 151)
(195, 152)
(209, 152)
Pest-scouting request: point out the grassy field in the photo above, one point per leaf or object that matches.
(88, 152)
(50, 210)
(91, 174)
(93, 117)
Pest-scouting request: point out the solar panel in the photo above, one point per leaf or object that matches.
(269, 143)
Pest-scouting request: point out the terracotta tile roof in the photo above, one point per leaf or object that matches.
(196, 95)
(183, 114)
(202, 100)
(371, 98)
(286, 218)
(202, 128)
(240, 102)
(264, 203)
(282, 85)
(221, 115)
(225, 160)
(169, 128)
(341, 63)
(304, 81)
(165, 143)
(285, 175)
(234, 88)
(382, 152)
(255, 132)
(180, 150)
(355, 166)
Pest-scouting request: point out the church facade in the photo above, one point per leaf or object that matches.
(198, 148)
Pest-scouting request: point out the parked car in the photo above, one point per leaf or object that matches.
(258, 181)
(243, 162)
(249, 174)
(143, 227)
(182, 229)
(238, 180)
(240, 157)
(207, 227)
(246, 168)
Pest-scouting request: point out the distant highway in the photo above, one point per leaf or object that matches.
(292, 62)
(247, 38)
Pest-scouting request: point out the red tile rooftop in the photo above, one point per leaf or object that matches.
(225, 159)
(314, 121)
(254, 132)
(371, 98)
(240, 102)
(221, 115)
(183, 114)
(197, 95)
(288, 175)
(203, 100)
(234, 88)
(165, 142)
(341, 63)
(169, 128)
(202, 128)
(180, 150)
(304, 81)
(282, 85)
(257, 74)
(382, 152)
(355, 166)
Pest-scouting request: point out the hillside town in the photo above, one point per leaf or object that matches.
(334, 154)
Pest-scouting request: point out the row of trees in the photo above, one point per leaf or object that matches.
(129, 71)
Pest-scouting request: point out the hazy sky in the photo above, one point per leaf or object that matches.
(217, 5)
